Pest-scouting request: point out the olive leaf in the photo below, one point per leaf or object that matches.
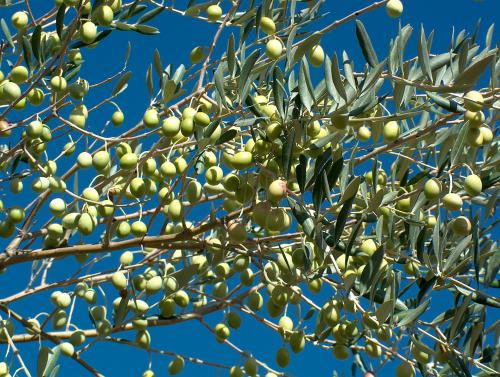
(60, 19)
(407, 317)
(472, 73)
(371, 270)
(121, 85)
(423, 55)
(366, 44)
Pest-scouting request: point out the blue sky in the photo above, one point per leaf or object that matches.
(178, 36)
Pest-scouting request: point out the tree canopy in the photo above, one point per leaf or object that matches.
(342, 206)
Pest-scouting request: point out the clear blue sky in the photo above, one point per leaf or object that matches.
(178, 36)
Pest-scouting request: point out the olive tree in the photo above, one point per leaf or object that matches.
(334, 204)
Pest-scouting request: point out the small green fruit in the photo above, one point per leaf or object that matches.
(100, 160)
(88, 32)
(214, 12)
(19, 74)
(473, 101)
(473, 185)
(176, 366)
(317, 56)
(139, 228)
(117, 118)
(282, 357)
(461, 226)
(143, 339)
(341, 351)
(274, 49)
(452, 202)
(84, 160)
(197, 54)
(250, 366)
(405, 370)
(432, 189)
(11, 91)
(151, 118)
(242, 160)
(234, 320)
(58, 84)
(171, 126)
(222, 332)
(267, 25)
(86, 224)
(391, 131)
(394, 8)
(104, 15)
(20, 20)
(128, 161)
(67, 349)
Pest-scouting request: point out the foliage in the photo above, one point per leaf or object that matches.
(255, 180)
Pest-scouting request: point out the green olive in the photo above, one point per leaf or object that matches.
(151, 118)
(104, 15)
(100, 160)
(364, 133)
(214, 12)
(117, 118)
(139, 228)
(255, 301)
(276, 191)
(222, 332)
(487, 134)
(461, 226)
(452, 202)
(394, 8)
(237, 233)
(67, 349)
(58, 84)
(473, 185)
(20, 20)
(475, 119)
(167, 307)
(282, 357)
(181, 298)
(57, 206)
(201, 119)
(267, 25)
(474, 137)
(391, 131)
(250, 366)
(373, 349)
(317, 56)
(88, 32)
(86, 224)
(432, 189)
(193, 191)
(11, 91)
(274, 49)
(341, 351)
(35, 96)
(19, 74)
(234, 320)
(143, 339)
(171, 126)
(473, 101)
(16, 215)
(405, 370)
(236, 371)
(128, 161)
(196, 55)
(176, 365)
